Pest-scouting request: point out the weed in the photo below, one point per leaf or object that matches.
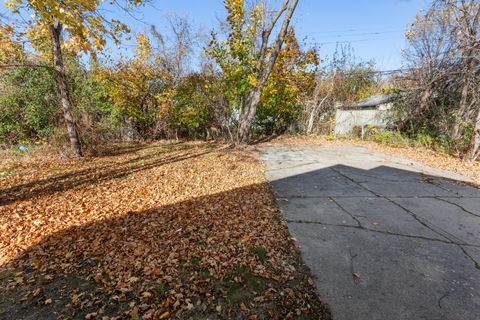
(162, 289)
(260, 252)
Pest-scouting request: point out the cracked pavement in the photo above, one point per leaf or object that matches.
(385, 237)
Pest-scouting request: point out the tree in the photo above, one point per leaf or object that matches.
(138, 87)
(444, 58)
(343, 79)
(292, 78)
(11, 51)
(247, 58)
(81, 21)
(176, 46)
(465, 15)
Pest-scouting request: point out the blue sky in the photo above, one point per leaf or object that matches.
(375, 28)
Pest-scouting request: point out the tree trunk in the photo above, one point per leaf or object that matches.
(317, 106)
(469, 45)
(55, 32)
(249, 107)
(475, 145)
(460, 121)
(247, 116)
(314, 107)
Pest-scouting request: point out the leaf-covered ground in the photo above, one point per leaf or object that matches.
(185, 230)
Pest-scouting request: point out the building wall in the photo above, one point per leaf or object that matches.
(346, 120)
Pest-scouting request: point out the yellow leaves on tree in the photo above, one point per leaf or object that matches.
(132, 85)
(292, 76)
(144, 48)
(295, 66)
(237, 54)
(10, 50)
(80, 19)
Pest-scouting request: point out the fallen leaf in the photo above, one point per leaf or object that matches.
(164, 315)
(134, 313)
(36, 292)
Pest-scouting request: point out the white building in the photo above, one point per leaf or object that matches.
(373, 111)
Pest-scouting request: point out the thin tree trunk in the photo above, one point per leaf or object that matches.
(249, 107)
(475, 145)
(64, 90)
(315, 110)
(315, 106)
(460, 120)
(470, 45)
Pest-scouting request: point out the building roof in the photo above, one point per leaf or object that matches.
(372, 101)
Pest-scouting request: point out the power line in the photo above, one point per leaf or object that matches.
(361, 34)
(359, 30)
(380, 72)
(350, 41)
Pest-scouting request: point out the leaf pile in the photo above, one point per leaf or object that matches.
(183, 230)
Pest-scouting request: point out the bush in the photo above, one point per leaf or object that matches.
(28, 105)
(424, 140)
(393, 138)
(192, 111)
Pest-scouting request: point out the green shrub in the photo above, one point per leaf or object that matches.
(425, 140)
(394, 138)
(28, 105)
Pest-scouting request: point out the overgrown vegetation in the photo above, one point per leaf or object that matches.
(156, 93)
(244, 83)
(441, 101)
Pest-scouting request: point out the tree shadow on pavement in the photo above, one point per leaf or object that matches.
(384, 242)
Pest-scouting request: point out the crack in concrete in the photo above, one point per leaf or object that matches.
(382, 232)
(382, 178)
(460, 245)
(297, 166)
(439, 301)
(415, 216)
(458, 206)
(346, 211)
(431, 180)
(355, 275)
(424, 222)
(355, 182)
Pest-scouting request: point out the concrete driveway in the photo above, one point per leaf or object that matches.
(385, 238)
